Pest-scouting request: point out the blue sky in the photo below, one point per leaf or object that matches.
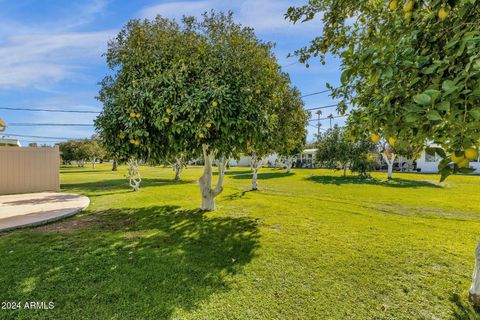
(51, 54)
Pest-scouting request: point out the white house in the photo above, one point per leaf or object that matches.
(429, 164)
(9, 142)
(304, 160)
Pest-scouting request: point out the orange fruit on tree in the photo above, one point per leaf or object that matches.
(375, 138)
(132, 114)
(168, 110)
(214, 104)
(166, 120)
(132, 141)
(201, 135)
(393, 5)
(408, 6)
(391, 141)
(471, 154)
(464, 163)
(208, 125)
(456, 159)
(442, 14)
(138, 115)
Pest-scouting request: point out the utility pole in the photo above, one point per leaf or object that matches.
(319, 113)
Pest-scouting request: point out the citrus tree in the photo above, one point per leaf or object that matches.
(410, 70)
(335, 149)
(197, 86)
(290, 134)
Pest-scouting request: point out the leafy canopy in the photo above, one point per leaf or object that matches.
(178, 86)
(410, 69)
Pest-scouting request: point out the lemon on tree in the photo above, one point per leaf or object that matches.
(427, 75)
(194, 70)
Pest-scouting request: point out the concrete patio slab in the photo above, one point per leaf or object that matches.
(31, 209)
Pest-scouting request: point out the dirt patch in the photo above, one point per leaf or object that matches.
(94, 219)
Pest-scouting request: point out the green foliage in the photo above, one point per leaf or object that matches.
(81, 150)
(208, 82)
(413, 75)
(400, 246)
(336, 149)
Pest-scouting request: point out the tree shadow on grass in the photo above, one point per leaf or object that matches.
(464, 310)
(393, 183)
(118, 184)
(128, 263)
(264, 175)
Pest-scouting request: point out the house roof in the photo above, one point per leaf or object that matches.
(10, 142)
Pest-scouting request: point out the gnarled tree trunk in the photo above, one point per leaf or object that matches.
(134, 174)
(205, 181)
(288, 163)
(178, 167)
(254, 165)
(114, 165)
(474, 291)
(389, 162)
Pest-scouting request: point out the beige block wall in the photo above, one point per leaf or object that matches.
(25, 170)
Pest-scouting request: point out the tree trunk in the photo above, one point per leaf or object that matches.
(177, 173)
(288, 163)
(254, 164)
(114, 165)
(389, 163)
(474, 291)
(134, 174)
(344, 170)
(205, 181)
(93, 163)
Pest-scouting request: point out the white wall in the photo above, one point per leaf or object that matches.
(432, 167)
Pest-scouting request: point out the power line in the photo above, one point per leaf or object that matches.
(49, 125)
(322, 107)
(39, 137)
(290, 64)
(49, 110)
(314, 93)
(327, 118)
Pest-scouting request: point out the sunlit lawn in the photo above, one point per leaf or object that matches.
(307, 245)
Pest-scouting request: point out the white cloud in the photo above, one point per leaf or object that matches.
(36, 59)
(266, 16)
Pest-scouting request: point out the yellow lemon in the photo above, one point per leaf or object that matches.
(464, 163)
(201, 135)
(169, 110)
(166, 120)
(214, 103)
(375, 138)
(408, 16)
(138, 115)
(391, 141)
(132, 114)
(132, 141)
(335, 25)
(208, 125)
(456, 159)
(442, 14)
(393, 5)
(408, 6)
(257, 91)
(471, 154)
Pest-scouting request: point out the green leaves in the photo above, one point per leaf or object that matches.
(449, 86)
(422, 99)
(433, 115)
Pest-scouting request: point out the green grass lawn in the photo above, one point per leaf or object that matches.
(308, 245)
